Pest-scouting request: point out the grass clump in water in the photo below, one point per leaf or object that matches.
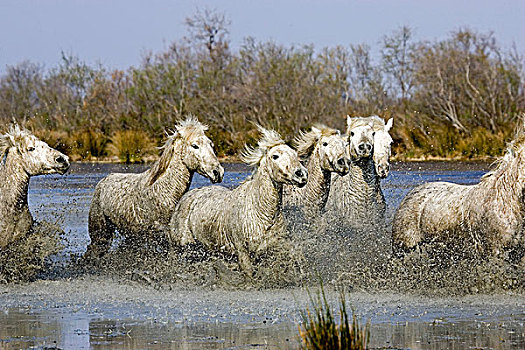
(319, 329)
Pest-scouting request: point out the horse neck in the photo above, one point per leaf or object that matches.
(363, 176)
(266, 196)
(510, 183)
(14, 180)
(176, 180)
(316, 190)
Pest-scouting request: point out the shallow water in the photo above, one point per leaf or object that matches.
(102, 312)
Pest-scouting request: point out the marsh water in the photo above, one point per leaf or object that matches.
(106, 311)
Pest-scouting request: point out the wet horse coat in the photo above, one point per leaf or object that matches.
(247, 220)
(22, 155)
(488, 217)
(139, 206)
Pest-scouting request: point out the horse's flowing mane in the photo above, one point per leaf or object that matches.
(187, 129)
(306, 141)
(514, 147)
(14, 135)
(378, 124)
(191, 128)
(253, 155)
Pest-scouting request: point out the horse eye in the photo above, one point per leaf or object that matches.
(325, 144)
(351, 133)
(275, 157)
(374, 133)
(31, 149)
(195, 146)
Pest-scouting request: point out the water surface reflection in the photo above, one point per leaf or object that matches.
(23, 329)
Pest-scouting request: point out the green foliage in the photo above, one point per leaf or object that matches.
(319, 329)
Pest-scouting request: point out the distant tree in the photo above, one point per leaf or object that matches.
(366, 82)
(398, 60)
(209, 28)
(335, 66)
(467, 81)
(18, 90)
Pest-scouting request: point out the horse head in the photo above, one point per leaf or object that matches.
(278, 159)
(360, 138)
(383, 148)
(36, 157)
(197, 152)
(327, 145)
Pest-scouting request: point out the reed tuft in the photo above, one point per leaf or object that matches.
(319, 329)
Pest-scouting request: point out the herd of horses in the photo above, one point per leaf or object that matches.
(325, 174)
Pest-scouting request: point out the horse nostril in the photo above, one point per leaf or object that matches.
(60, 159)
(341, 162)
(299, 173)
(368, 147)
(361, 147)
(215, 174)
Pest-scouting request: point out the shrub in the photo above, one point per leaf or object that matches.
(89, 144)
(130, 146)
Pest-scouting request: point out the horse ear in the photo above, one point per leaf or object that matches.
(389, 124)
(317, 132)
(10, 138)
(338, 132)
(349, 121)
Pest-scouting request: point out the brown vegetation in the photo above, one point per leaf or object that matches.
(457, 97)
(319, 329)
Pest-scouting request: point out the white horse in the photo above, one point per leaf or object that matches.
(247, 220)
(139, 206)
(324, 152)
(353, 198)
(22, 155)
(357, 198)
(488, 217)
(382, 144)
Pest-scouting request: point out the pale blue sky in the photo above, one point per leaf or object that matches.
(117, 32)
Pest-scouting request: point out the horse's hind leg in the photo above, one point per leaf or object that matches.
(101, 232)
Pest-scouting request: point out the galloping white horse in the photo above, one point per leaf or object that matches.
(139, 206)
(247, 220)
(488, 217)
(357, 198)
(324, 152)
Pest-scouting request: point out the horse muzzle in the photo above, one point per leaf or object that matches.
(383, 170)
(63, 164)
(300, 177)
(217, 175)
(364, 149)
(342, 166)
